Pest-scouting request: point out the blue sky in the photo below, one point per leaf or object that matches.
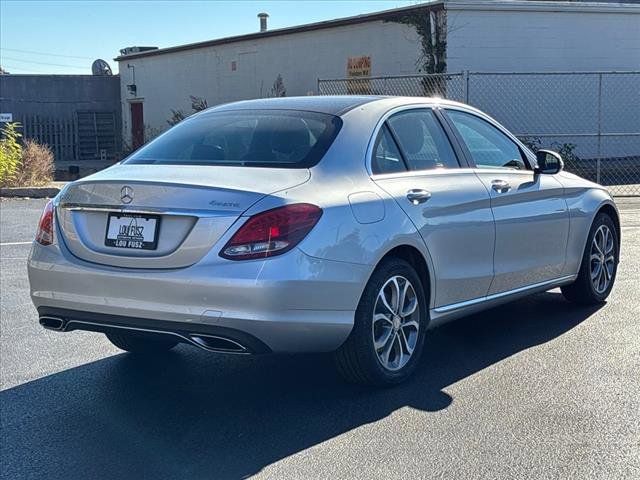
(78, 32)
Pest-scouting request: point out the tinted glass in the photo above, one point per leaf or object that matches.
(387, 158)
(422, 140)
(255, 138)
(489, 147)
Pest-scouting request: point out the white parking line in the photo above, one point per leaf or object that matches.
(15, 243)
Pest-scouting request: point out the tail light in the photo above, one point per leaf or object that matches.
(273, 232)
(44, 236)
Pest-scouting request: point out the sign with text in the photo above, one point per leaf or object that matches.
(359, 66)
(6, 117)
(359, 69)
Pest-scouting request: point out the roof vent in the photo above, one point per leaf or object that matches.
(263, 21)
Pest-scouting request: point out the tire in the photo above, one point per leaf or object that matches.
(141, 343)
(588, 291)
(358, 360)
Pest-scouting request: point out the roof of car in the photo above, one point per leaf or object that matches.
(330, 104)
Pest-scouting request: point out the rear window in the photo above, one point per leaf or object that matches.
(252, 138)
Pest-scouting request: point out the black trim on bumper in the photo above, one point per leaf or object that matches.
(184, 329)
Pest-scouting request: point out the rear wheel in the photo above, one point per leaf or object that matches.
(140, 343)
(386, 342)
(599, 264)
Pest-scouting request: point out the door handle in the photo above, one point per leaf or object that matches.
(417, 196)
(500, 186)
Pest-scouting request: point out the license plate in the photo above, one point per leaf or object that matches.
(130, 230)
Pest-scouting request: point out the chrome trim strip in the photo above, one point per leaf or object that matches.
(149, 210)
(427, 173)
(495, 296)
(162, 332)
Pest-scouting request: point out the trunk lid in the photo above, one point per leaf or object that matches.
(178, 211)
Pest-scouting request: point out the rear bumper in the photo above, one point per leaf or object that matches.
(208, 337)
(291, 303)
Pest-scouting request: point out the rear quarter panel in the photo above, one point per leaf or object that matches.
(342, 187)
(342, 237)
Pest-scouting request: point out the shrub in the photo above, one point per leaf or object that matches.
(36, 167)
(176, 117)
(197, 105)
(566, 150)
(534, 143)
(10, 152)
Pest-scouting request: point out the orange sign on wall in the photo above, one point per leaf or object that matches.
(359, 68)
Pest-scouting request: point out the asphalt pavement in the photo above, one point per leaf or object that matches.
(539, 388)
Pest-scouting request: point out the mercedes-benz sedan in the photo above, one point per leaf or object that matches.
(319, 224)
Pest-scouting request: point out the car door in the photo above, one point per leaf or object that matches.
(531, 215)
(414, 161)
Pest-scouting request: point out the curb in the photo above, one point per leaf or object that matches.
(29, 192)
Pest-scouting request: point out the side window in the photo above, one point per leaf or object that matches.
(423, 142)
(489, 147)
(386, 157)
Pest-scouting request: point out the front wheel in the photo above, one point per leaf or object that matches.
(599, 264)
(386, 342)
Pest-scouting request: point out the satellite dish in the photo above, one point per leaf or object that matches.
(100, 67)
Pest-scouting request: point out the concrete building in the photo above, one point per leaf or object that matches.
(440, 36)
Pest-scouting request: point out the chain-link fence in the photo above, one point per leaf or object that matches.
(592, 119)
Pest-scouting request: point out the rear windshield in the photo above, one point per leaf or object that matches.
(252, 138)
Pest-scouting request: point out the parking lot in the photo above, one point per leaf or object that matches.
(536, 389)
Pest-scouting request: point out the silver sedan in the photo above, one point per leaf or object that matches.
(347, 224)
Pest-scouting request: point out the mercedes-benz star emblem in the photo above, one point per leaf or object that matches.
(126, 194)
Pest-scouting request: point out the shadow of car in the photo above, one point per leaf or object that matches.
(189, 414)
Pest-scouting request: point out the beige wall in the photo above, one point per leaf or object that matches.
(481, 36)
(166, 81)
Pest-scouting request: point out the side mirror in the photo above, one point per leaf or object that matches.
(549, 162)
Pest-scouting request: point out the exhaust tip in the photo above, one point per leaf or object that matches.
(218, 344)
(52, 323)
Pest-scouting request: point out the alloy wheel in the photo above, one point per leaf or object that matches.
(396, 322)
(602, 259)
